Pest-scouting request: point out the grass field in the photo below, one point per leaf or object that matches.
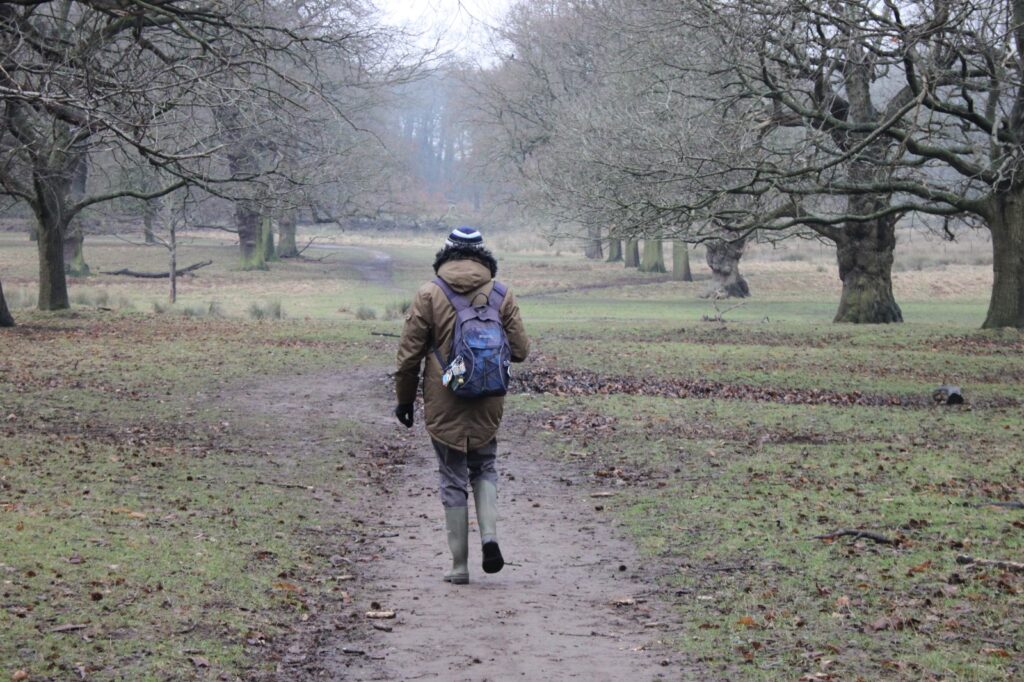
(134, 538)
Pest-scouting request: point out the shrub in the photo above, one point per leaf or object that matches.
(266, 311)
(366, 313)
(396, 310)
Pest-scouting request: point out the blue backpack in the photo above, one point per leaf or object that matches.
(480, 357)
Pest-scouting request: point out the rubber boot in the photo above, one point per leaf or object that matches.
(485, 494)
(457, 521)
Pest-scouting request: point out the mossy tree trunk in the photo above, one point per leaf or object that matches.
(1006, 222)
(593, 248)
(74, 252)
(286, 247)
(654, 256)
(74, 233)
(248, 220)
(6, 319)
(614, 250)
(723, 257)
(681, 261)
(864, 251)
(267, 238)
(632, 256)
(150, 210)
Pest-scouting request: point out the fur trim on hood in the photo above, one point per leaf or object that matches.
(459, 252)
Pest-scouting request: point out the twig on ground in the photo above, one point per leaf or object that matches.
(858, 533)
(389, 334)
(1011, 566)
(1013, 504)
(286, 485)
(720, 314)
(158, 275)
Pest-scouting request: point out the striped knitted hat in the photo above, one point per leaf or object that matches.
(465, 236)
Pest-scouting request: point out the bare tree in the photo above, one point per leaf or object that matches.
(904, 108)
(145, 81)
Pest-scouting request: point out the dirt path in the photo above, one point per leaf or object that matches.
(549, 616)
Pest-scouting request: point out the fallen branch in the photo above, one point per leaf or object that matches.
(1011, 566)
(1005, 505)
(394, 336)
(158, 275)
(720, 316)
(857, 533)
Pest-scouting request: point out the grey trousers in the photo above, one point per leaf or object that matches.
(459, 470)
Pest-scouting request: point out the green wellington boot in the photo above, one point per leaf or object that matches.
(457, 521)
(485, 494)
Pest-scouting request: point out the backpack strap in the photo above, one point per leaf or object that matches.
(458, 300)
(497, 295)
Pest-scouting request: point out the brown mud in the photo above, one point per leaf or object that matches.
(574, 602)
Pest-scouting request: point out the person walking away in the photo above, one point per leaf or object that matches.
(466, 326)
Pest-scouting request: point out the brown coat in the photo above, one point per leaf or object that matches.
(457, 422)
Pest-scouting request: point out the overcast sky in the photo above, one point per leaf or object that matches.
(461, 23)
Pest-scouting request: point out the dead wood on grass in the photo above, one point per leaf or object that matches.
(856, 533)
(158, 275)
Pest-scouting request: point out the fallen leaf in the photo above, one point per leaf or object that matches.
(993, 651)
(920, 568)
(623, 601)
(747, 621)
(19, 675)
(287, 587)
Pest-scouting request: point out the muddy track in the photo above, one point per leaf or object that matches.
(575, 603)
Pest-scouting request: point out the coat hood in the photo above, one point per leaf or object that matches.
(464, 275)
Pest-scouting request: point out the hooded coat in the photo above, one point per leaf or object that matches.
(460, 423)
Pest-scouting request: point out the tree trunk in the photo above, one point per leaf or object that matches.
(172, 247)
(593, 248)
(74, 258)
(723, 258)
(150, 209)
(247, 221)
(1006, 222)
(6, 320)
(74, 233)
(267, 238)
(614, 250)
(286, 247)
(632, 253)
(50, 205)
(864, 251)
(654, 256)
(681, 261)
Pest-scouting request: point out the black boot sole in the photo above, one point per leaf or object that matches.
(493, 561)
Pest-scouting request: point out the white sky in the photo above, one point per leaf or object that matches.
(461, 24)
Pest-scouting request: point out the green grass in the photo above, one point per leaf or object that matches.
(724, 497)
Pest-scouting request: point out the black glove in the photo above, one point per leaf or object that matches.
(404, 414)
